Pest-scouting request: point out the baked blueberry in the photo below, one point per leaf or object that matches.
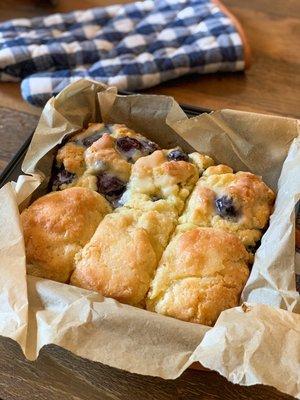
(178, 155)
(127, 144)
(89, 140)
(62, 177)
(110, 185)
(225, 207)
(149, 147)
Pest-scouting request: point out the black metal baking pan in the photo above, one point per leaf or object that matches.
(13, 169)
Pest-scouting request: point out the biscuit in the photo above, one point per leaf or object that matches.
(56, 226)
(165, 175)
(202, 161)
(100, 158)
(121, 258)
(202, 272)
(240, 203)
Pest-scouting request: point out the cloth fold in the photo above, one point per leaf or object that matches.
(131, 46)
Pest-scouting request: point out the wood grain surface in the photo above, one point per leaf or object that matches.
(271, 85)
(60, 375)
(15, 127)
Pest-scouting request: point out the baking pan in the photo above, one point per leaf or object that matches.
(54, 354)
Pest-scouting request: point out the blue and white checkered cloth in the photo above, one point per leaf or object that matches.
(130, 46)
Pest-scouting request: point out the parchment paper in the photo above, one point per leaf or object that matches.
(257, 343)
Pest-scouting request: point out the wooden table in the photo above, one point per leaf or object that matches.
(270, 86)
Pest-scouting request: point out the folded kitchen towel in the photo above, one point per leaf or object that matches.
(131, 46)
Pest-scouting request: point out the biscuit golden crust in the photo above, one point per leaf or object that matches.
(159, 177)
(202, 161)
(72, 156)
(123, 254)
(201, 273)
(102, 156)
(56, 226)
(240, 203)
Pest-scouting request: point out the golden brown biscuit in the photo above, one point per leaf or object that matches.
(121, 258)
(165, 175)
(240, 203)
(202, 272)
(202, 161)
(72, 156)
(56, 226)
(103, 156)
(100, 158)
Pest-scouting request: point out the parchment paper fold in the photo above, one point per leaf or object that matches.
(254, 343)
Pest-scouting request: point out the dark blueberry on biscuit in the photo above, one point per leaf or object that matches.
(225, 207)
(88, 141)
(149, 147)
(110, 185)
(178, 155)
(127, 144)
(62, 177)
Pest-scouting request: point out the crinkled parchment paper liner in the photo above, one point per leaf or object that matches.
(255, 343)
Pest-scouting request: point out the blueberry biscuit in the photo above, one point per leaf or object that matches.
(240, 203)
(56, 226)
(100, 158)
(120, 259)
(202, 272)
(205, 266)
(165, 176)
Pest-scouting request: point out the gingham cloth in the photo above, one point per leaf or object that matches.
(131, 46)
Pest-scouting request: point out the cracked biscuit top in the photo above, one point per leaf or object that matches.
(240, 203)
(56, 226)
(201, 273)
(121, 258)
(164, 176)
